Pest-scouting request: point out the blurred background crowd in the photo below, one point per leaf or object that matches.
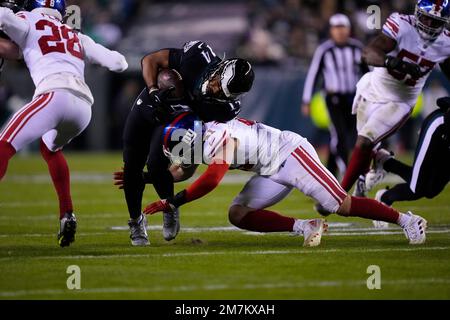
(278, 36)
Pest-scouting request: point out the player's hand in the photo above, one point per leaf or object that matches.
(119, 179)
(159, 206)
(397, 64)
(159, 97)
(306, 109)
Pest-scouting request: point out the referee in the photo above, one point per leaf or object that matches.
(338, 62)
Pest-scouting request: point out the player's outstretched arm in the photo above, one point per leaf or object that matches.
(14, 26)
(98, 54)
(376, 52)
(206, 183)
(9, 50)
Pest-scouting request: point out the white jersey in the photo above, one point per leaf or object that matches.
(54, 53)
(261, 149)
(382, 85)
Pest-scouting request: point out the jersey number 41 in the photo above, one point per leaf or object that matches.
(61, 40)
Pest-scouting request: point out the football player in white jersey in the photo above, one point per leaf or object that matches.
(61, 109)
(282, 161)
(404, 55)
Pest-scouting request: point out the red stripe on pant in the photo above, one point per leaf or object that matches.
(331, 178)
(21, 121)
(18, 114)
(320, 175)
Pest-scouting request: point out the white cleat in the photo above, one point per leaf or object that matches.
(360, 188)
(377, 174)
(415, 230)
(312, 232)
(380, 224)
(138, 231)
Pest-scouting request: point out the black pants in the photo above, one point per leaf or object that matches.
(430, 173)
(343, 131)
(142, 140)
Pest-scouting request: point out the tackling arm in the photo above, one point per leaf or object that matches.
(375, 53)
(9, 50)
(15, 27)
(98, 54)
(151, 64)
(206, 183)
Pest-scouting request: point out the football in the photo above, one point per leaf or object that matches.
(171, 78)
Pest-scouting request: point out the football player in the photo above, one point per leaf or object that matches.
(404, 55)
(430, 173)
(61, 109)
(212, 87)
(282, 161)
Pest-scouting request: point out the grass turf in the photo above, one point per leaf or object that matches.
(211, 264)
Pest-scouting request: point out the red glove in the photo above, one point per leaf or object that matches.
(159, 206)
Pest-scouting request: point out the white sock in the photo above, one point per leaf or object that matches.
(403, 220)
(299, 225)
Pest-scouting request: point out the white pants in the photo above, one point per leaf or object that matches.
(57, 117)
(303, 171)
(377, 121)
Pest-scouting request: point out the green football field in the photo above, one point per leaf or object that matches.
(209, 259)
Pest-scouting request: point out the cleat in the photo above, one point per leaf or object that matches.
(67, 230)
(312, 232)
(380, 224)
(171, 225)
(360, 189)
(138, 230)
(321, 210)
(377, 174)
(415, 231)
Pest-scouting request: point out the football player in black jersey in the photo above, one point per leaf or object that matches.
(212, 87)
(430, 173)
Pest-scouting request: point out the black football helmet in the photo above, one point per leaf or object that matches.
(236, 77)
(14, 5)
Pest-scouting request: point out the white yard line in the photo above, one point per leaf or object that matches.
(219, 287)
(226, 253)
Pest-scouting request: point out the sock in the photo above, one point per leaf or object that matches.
(7, 151)
(400, 192)
(266, 221)
(59, 171)
(373, 210)
(403, 220)
(359, 164)
(394, 166)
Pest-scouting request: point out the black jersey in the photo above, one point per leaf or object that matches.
(194, 62)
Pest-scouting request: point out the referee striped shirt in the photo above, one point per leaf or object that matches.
(340, 67)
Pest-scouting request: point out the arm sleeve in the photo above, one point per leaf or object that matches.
(15, 26)
(98, 54)
(207, 182)
(313, 75)
(391, 28)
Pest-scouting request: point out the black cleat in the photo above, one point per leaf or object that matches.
(67, 230)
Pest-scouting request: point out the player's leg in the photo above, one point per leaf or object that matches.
(312, 178)
(75, 117)
(158, 168)
(249, 212)
(136, 145)
(375, 122)
(14, 136)
(248, 208)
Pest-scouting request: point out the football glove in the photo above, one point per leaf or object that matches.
(167, 205)
(397, 64)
